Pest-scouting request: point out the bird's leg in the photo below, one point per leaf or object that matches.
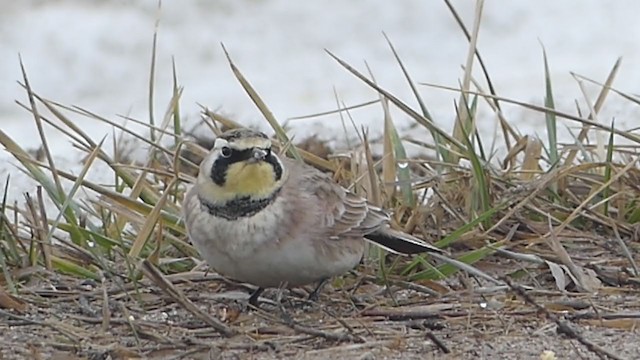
(253, 299)
(279, 295)
(279, 301)
(315, 294)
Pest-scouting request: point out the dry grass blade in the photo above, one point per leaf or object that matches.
(531, 161)
(441, 151)
(397, 102)
(481, 198)
(38, 120)
(596, 107)
(308, 157)
(626, 251)
(142, 182)
(564, 327)
(591, 196)
(584, 282)
(8, 301)
(44, 226)
(280, 133)
(44, 180)
(622, 133)
(396, 151)
(468, 35)
(389, 163)
(376, 196)
(507, 129)
(532, 150)
(338, 111)
(151, 223)
(128, 177)
(414, 90)
(464, 123)
(159, 279)
(63, 329)
(74, 189)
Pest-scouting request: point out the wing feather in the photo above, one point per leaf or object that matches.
(345, 213)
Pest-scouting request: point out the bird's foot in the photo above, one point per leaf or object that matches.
(315, 294)
(255, 296)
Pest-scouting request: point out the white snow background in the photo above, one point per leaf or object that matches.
(96, 54)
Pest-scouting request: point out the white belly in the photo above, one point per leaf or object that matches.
(251, 250)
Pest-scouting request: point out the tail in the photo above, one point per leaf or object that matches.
(399, 242)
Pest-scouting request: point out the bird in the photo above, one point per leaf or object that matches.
(267, 220)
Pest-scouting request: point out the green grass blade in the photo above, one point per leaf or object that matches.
(550, 117)
(94, 236)
(69, 198)
(456, 234)
(177, 122)
(68, 267)
(5, 233)
(481, 194)
(402, 166)
(607, 170)
(58, 197)
(446, 270)
(152, 77)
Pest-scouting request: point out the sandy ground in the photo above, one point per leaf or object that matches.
(67, 323)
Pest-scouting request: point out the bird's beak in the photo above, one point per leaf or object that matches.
(258, 155)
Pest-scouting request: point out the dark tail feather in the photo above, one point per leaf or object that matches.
(400, 242)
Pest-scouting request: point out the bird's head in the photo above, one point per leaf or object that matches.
(240, 165)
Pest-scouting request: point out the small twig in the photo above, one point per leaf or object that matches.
(331, 351)
(414, 312)
(156, 276)
(130, 321)
(44, 225)
(331, 336)
(564, 327)
(406, 285)
(611, 316)
(344, 324)
(73, 337)
(286, 319)
(425, 326)
(438, 342)
(106, 313)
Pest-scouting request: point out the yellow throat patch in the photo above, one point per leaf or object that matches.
(248, 179)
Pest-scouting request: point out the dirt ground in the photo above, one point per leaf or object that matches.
(64, 318)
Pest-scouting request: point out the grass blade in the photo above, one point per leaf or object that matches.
(607, 170)
(550, 117)
(280, 133)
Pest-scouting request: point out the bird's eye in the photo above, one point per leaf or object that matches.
(225, 151)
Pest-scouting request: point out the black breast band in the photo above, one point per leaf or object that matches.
(238, 207)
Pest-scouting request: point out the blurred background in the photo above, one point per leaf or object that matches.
(96, 55)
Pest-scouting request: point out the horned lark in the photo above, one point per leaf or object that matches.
(265, 220)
